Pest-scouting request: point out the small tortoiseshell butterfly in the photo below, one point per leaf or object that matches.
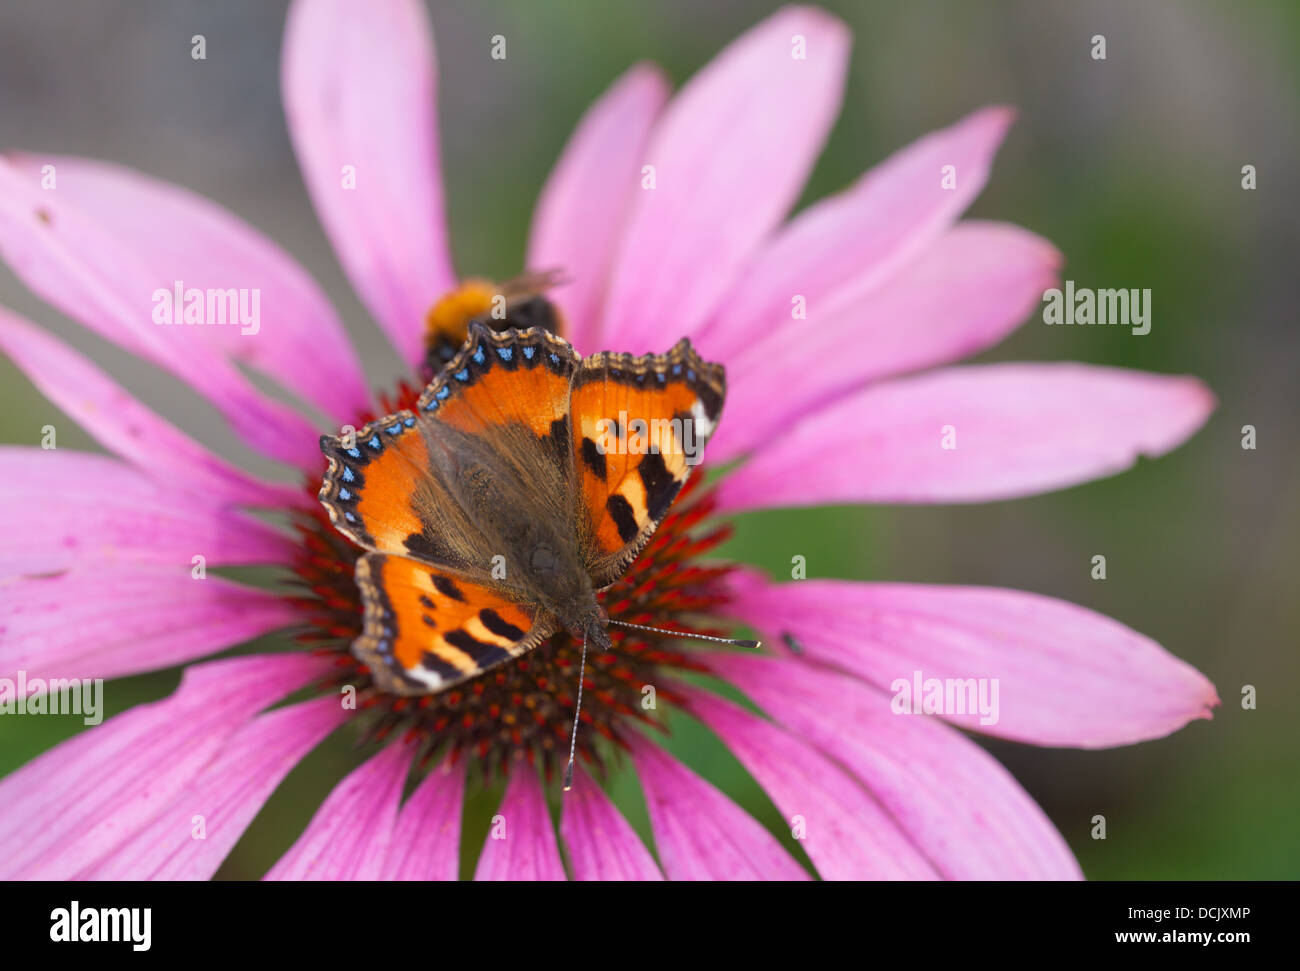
(526, 479)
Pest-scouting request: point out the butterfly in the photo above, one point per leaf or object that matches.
(526, 479)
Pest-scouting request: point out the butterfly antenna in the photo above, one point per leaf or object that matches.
(733, 641)
(573, 736)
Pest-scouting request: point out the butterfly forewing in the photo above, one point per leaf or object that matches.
(380, 489)
(640, 425)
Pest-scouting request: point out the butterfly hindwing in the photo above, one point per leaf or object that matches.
(426, 630)
(639, 427)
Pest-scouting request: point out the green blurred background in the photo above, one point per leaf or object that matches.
(1132, 166)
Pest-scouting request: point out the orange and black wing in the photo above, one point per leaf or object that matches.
(426, 630)
(505, 396)
(372, 482)
(639, 427)
(397, 485)
(515, 378)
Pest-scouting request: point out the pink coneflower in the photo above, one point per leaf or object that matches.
(823, 406)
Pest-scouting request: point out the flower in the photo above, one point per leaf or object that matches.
(669, 219)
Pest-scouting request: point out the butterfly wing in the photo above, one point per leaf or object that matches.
(371, 484)
(504, 383)
(640, 425)
(399, 485)
(502, 407)
(445, 495)
(426, 630)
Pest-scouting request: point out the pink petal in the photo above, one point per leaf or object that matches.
(177, 235)
(96, 623)
(959, 807)
(965, 292)
(123, 425)
(584, 203)
(601, 844)
(91, 510)
(731, 154)
(1065, 675)
(350, 835)
(426, 840)
(70, 808)
(227, 794)
(846, 833)
(836, 251)
(699, 832)
(1019, 429)
(521, 844)
(67, 257)
(358, 83)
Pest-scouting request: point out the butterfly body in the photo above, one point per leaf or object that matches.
(541, 559)
(495, 511)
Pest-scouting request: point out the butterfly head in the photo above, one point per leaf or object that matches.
(596, 629)
(590, 622)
